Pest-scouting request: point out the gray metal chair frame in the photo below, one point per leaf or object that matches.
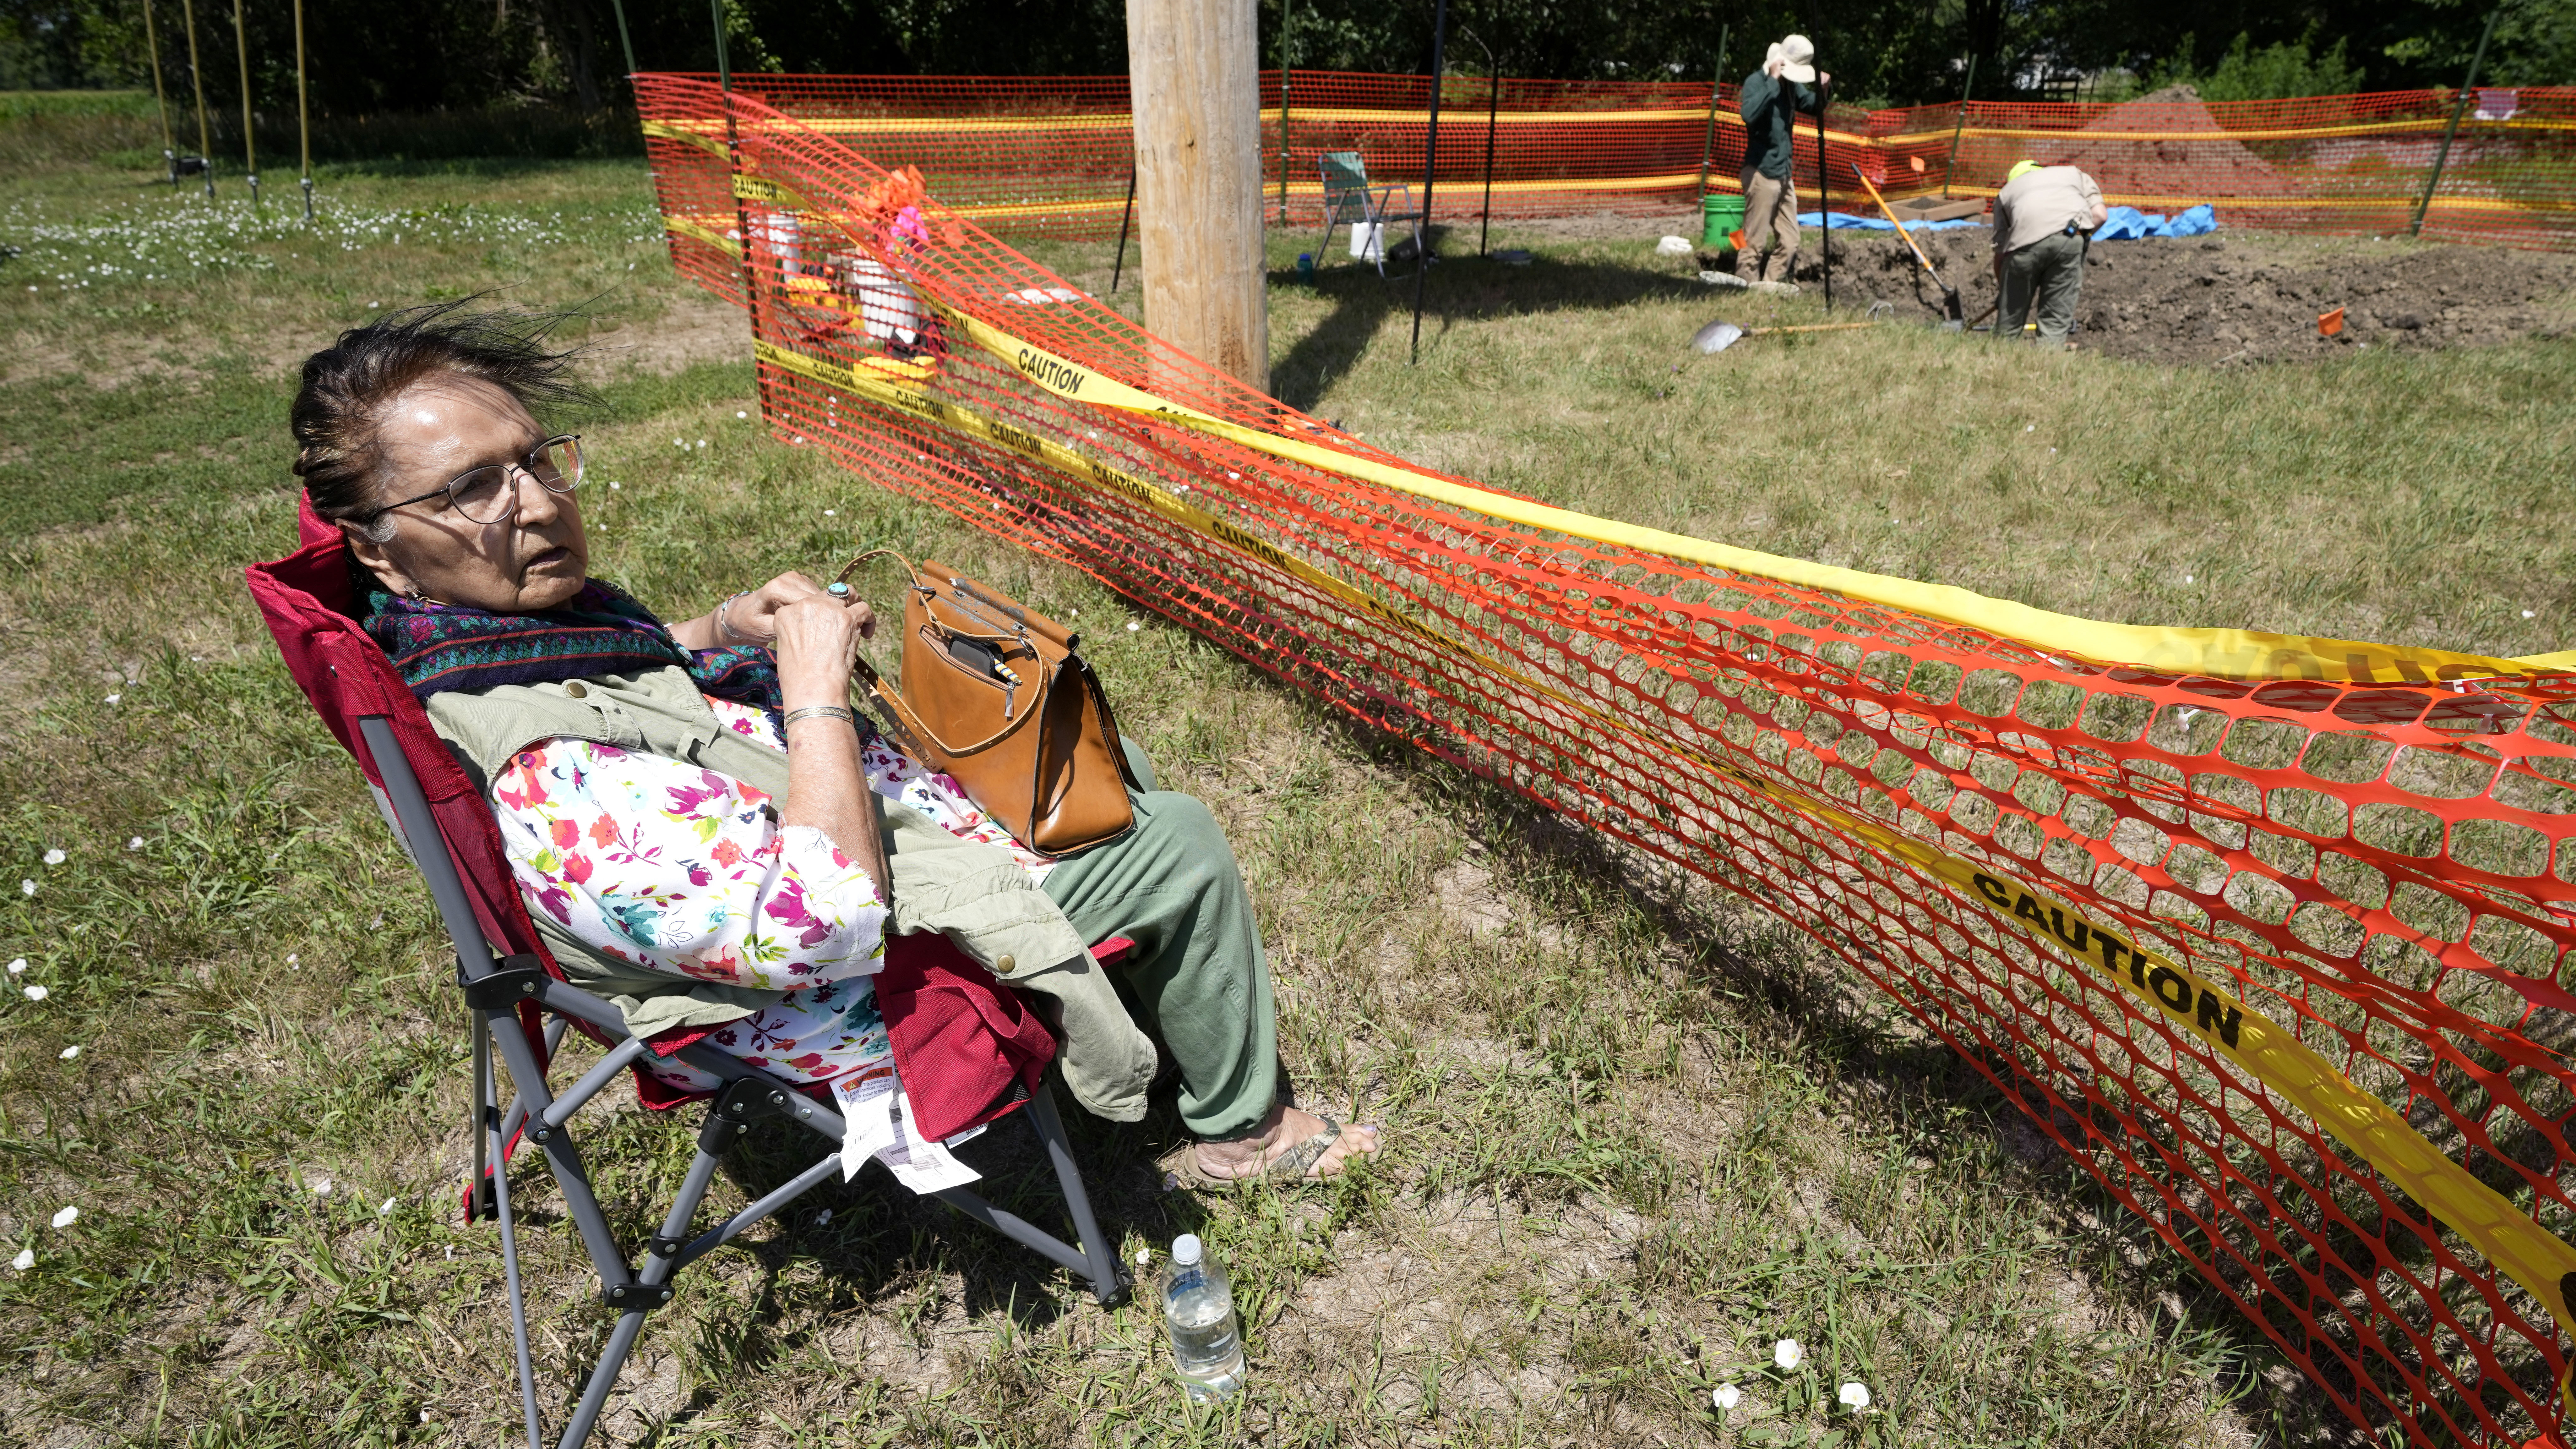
(1346, 186)
(493, 990)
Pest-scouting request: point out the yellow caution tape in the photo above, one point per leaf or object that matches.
(709, 235)
(2260, 133)
(2184, 1000)
(2177, 995)
(2220, 653)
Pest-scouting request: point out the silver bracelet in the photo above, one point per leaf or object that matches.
(724, 626)
(824, 711)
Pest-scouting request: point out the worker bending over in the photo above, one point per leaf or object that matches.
(2045, 218)
(1771, 99)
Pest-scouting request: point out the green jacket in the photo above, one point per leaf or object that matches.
(976, 895)
(1770, 110)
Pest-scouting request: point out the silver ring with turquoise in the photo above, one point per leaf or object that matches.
(837, 590)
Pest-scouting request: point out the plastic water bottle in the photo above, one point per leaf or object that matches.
(1198, 1311)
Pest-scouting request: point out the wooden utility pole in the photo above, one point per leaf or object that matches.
(1193, 69)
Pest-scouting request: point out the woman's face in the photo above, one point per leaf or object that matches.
(533, 559)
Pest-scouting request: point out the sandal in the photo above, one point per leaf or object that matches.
(1297, 1164)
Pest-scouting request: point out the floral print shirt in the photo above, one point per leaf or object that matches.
(678, 869)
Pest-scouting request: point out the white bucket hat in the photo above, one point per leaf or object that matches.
(1797, 57)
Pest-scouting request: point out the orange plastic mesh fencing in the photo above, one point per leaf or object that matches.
(1051, 156)
(2329, 163)
(2268, 933)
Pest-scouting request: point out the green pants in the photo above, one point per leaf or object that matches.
(1197, 974)
(2048, 274)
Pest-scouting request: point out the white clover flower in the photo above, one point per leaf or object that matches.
(321, 1186)
(18, 967)
(1133, 626)
(831, 513)
(26, 1258)
(385, 1207)
(1855, 1396)
(27, 887)
(1726, 1398)
(823, 1218)
(55, 856)
(291, 958)
(113, 698)
(69, 1052)
(740, 414)
(37, 993)
(67, 1217)
(135, 844)
(1787, 1352)
(2527, 614)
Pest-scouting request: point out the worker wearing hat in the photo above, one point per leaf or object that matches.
(1770, 99)
(2045, 218)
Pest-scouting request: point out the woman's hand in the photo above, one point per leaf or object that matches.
(752, 618)
(817, 638)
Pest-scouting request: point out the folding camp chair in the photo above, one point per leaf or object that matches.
(519, 1002)
(1348, 196)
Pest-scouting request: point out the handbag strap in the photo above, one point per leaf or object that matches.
(893, 699)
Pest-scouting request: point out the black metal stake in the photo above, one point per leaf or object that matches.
(1493, 109)
(1708, 139)
(626, 40)
(1430, 169)
(1286, 14)
(1493, 105)
(1120, 266)
(1951, 166)
(2442, 157)
(1824, 198)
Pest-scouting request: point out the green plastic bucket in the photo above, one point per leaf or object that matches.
(1719, 215)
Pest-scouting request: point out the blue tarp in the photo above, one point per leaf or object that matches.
(2127, 223)
(1845, 221)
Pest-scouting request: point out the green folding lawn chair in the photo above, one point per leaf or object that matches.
(1349, 197)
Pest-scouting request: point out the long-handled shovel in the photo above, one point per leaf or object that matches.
(1949, 294)
(1721, 335)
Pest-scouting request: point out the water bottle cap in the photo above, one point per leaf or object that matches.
(1186, 1249)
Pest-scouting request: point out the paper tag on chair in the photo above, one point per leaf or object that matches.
(874, 1124)
(925, 1167)
(867, 1117)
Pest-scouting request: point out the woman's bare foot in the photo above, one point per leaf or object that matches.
(1280, 1133)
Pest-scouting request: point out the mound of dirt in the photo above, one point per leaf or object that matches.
(2168, 165)
(2239, 296)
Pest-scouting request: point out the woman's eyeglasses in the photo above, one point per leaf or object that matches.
(491, 493)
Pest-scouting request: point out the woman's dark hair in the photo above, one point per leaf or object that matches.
(348, 385)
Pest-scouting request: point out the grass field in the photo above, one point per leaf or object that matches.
(1634, 1136)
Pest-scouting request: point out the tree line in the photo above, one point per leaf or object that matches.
(429, 55)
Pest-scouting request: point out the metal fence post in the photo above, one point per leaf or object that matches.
(2468, 88)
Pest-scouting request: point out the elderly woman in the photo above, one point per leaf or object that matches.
(704, 831)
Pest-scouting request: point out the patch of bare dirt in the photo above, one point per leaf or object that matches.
(695, 328)
(2238, 296)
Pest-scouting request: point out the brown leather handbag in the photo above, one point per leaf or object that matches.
(994, 695)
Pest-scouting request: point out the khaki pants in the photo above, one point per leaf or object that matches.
(2046, 276)
(1770, 214)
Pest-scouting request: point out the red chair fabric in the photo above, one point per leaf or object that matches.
(961, 1040)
